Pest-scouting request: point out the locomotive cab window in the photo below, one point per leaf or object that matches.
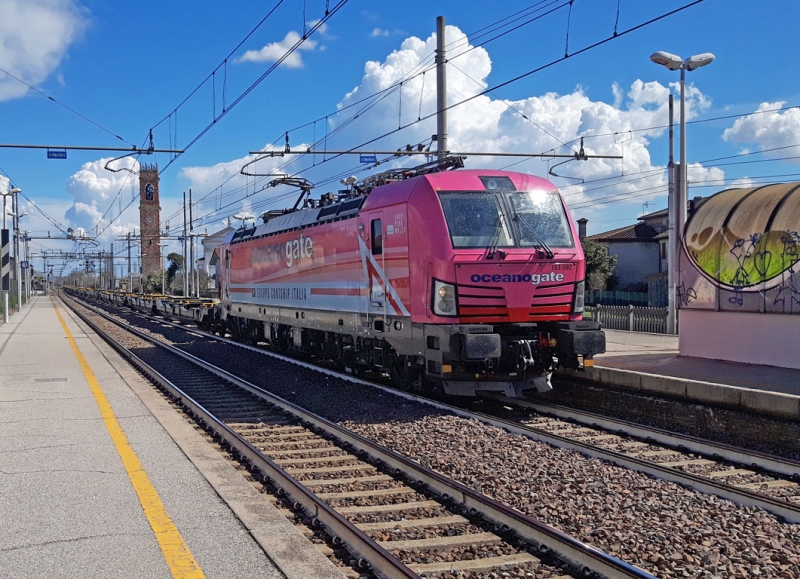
(539, 216)
(505, 218)
(377, 237)
(476, 219)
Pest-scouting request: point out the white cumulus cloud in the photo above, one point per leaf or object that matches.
(276, 50)
(99, 195)
(767, 128)
(34, 38)
(536, 124)
(214, 186)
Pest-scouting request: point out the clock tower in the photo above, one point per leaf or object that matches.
(150, 220)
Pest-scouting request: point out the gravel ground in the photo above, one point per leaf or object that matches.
(659, 526)
(760, 433)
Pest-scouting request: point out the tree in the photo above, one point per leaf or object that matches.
(599, 264)
(154, 281)
(175, 265)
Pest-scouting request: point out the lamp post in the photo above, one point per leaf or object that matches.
(26, 253)
(16, 215)
(31, 256)
(678, 199)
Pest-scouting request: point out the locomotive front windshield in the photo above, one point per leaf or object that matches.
(506, 219)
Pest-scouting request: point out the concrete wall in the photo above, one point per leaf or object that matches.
(752, 338)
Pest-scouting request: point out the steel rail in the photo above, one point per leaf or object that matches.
(579, 554)
(383, 562)
(784, 509)
(684, 442)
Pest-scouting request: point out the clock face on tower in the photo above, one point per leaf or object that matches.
(148, 192)
(149, 220)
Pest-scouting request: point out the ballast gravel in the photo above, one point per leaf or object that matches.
(662, 527)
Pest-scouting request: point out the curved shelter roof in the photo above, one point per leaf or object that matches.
(743, 238)
(746, 239)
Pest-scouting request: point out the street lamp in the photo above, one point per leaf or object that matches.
(677, 212)
(17, 262)
(26, 239)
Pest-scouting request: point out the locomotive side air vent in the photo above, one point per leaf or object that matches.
(351, 207)
(344, 209)
(327, 212)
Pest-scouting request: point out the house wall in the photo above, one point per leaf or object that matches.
(635, 261)
(210, 243)
(752, 338)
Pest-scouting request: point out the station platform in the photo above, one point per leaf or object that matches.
(100, 477)
(650, 363)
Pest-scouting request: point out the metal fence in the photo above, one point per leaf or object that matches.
(616, 298)
(631, 318)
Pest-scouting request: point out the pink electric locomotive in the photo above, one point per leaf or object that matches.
(469, 280)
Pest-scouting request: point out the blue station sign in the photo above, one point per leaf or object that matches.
(56, 154)
(368, 159)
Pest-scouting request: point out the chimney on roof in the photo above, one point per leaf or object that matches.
(582, 227)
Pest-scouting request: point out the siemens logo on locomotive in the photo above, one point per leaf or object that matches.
(533, 278)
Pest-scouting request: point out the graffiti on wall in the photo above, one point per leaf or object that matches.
(741, 251)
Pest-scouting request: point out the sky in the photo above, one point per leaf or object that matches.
(221, 80)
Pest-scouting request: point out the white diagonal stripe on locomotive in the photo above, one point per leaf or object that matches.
(371, 267)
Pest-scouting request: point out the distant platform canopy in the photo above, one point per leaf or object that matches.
(744, 241)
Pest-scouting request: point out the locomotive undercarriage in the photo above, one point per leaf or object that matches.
(510, 358)
(457, 359)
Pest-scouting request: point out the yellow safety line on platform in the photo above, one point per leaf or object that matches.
(179, 559)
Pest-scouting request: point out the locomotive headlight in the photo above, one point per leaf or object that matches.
(444, 299)
(580, 290)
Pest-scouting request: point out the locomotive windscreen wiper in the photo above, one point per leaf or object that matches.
(519, 218)
(496, 237)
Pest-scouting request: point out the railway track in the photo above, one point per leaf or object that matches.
(744, 477)
(747, 478)
(397, 517)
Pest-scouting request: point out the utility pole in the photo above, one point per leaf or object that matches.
(130, 277)
(191, 245)
(671, 253)
(185, 253)
(441, 91)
